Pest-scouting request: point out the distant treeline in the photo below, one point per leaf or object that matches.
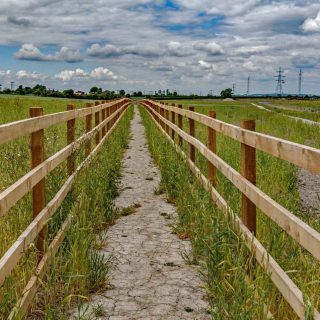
(98, 93)
(94, 93)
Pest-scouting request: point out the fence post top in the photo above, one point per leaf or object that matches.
(212, 114)
(248, 124)
(36, 111)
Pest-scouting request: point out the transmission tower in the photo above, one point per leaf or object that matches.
(300, 82)
(234, 89)
(280, 81)
(248, 86)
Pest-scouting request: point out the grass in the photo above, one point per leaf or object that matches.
(78, 269)
(214, 242)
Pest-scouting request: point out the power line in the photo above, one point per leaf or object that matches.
(280, 81)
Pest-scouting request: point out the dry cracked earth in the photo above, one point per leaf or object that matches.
(149, 278)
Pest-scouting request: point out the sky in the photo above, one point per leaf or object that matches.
(191, 46)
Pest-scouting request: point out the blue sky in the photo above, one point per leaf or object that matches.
(183, 45)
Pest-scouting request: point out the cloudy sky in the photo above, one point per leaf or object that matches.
(184, 45)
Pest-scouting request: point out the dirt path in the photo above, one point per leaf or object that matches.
(149, 278)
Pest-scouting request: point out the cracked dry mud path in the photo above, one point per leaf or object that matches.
(149, 278)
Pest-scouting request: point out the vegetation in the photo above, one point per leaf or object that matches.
(227, 93)
(223, 253)
(43, 91)
(77, 269)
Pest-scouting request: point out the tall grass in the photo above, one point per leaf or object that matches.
(211, 236)
(77, 269)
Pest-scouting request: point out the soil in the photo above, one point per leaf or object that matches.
(309, 189)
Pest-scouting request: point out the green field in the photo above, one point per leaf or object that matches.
(215, 245)
(77, 270)
(277, 178)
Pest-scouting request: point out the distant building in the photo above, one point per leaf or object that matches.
(80, 93)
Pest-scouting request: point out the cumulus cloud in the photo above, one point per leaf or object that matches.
(312, 24)
(103, 74)
(68, 75)
(28, 51)
(110, 51)
(206, 65)
(24, 75)
(98, 73)
(176, 49)
(211, 48)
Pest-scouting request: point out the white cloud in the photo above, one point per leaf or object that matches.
(68, 75)
(206, 65)
(98, 73)
(24, 75)
(103, 74)
(212, 48)
(28, 51)
(312, 25)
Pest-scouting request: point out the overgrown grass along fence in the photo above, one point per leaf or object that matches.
(106, 118)
(252, 197)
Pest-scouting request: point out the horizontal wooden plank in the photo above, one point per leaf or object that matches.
(295, 227)
(14, 130)
(285, 285)
(30, 290)
(16, 191)
(303, 156)
(10, 259)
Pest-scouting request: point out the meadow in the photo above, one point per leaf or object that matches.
(77, 269)
(213, 240)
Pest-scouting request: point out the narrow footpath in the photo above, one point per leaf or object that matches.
(149, 279)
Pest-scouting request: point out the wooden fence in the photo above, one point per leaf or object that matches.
(252, 197)
(106, 116)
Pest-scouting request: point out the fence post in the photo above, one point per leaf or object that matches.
(248, 170)
(212, 145)
(180, 142)
(162, 114)
(96, 122)
(70, 138)
(167, 118)
(103, 117)
(107, 116)
(173, 120)
(88, 128)
(192, 149)
(38, 191)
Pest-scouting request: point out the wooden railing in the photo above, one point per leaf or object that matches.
(107, 116)
(252, 197)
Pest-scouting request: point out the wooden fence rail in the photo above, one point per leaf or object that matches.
(303, 156)
(110, 114)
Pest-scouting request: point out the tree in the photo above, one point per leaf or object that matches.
(95, 90)
(227, 93)
(39, 90)
(122, 92)
(69, 93)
